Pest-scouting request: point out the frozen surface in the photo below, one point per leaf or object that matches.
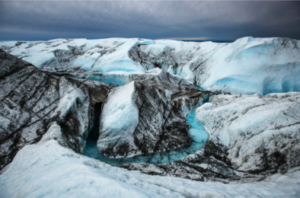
(30, 99)
(229, 67)
(47, 169)
(256, 131)
(248, 135)
(144, 120)
(119, 117)
(248, 65)
(255, 65)
(104, 55)
(72, 101)
(196, 132)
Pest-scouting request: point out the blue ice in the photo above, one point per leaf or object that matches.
(115, 79)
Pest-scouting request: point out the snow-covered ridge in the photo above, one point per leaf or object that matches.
(248, 65)
(47, 169)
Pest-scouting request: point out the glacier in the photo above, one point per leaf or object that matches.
(146, 120)
(255, 130)
(224, 67)
(197, 133)
(149, 118)
(47, 169)
(32, 99)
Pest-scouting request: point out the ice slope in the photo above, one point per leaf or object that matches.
(47, 169)
(255, 65)
(30, 99)
(104, 55)
(248, 65)
(254, 133)
(250, 137)
(119, 118)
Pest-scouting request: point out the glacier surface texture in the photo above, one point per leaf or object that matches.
(150, 118)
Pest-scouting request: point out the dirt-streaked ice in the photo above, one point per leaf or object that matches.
(248, 65)
(47, 169)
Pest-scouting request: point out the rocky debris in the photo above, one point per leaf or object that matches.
(30, 99)
(164, 56)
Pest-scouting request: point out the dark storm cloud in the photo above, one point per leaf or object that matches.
(35, 20)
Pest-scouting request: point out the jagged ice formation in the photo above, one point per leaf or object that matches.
(221, 112)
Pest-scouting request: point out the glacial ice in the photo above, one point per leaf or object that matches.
(47, 169)
(256, 134)
(225, 67)
(196, 132)
(255, 129)
(119, 117)
(118, 78)
(122, 134)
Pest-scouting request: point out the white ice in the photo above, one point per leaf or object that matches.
(248, 65)
(47, 169)
(119, 117)
(249, 123)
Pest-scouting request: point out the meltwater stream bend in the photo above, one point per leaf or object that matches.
(196, 132)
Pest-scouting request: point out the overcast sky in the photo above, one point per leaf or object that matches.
(183, 20)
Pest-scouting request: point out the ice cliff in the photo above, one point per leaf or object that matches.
(207, 112)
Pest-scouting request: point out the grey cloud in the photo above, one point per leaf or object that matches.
(215, 20)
